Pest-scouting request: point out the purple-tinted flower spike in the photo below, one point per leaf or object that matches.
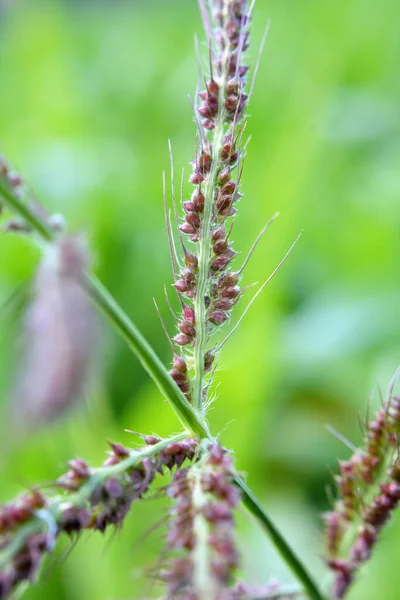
(201, 528)
(92, 499)
(59, 334)
(216, 177)
(368, 492)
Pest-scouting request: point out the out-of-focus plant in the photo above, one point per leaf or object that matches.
(206, 489)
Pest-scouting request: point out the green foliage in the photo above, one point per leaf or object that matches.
(89, 96)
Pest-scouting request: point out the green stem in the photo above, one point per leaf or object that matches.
(206, 246)
(24, 211)
(203, 274)
(54, 506)
(138, 344)
(186, 414)
(293, 562)
(204, 583)
(135, 457)
(148, 358)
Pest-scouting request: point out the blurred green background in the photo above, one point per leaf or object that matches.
(89, 95)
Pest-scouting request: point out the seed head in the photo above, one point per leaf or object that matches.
(59, 335)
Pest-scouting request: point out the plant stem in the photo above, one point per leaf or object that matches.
(204, 583)
(288, 555)
(138, 344)
(206, 240)
(23, 210)
(152, 364)
(203, 276)
(148, 358)
(135, 457)
(58, 503)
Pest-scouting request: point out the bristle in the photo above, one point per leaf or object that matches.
(368, 487)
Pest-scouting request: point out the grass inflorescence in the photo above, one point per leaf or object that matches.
(199, 474)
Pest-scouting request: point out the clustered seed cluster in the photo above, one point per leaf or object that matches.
(202, 492)
(205, 284)
(201, 534)
(360, 478)
(60, 335)
(30, 525)
(201, 527)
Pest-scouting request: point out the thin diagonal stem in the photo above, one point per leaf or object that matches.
(152, 364)
(148, 358)
(293, 562)
(24, 211)
(205, 246)
(138, 344)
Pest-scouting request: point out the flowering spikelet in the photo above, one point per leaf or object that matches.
(91, 499)
(368, 490)
(59, 335)
(208, 289)
(201, 529)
